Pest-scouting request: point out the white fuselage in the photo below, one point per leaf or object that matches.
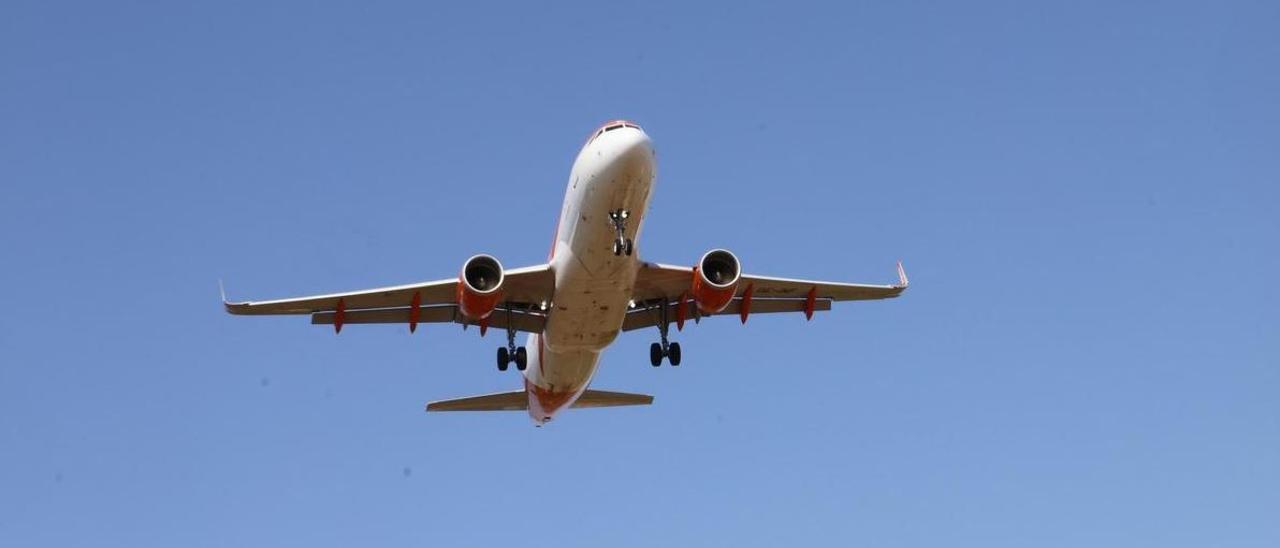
(615, 170)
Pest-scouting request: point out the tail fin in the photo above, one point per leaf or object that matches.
(519, 401)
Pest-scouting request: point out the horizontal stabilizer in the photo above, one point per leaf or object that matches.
(519, 401)
(601, 398)
(502, 401)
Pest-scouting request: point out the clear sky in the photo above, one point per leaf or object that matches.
(1084, 194)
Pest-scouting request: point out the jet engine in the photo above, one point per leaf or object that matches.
(480, 286)
(715, 279)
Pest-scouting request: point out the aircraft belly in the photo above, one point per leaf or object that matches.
(561, 372)
(593, 285)
(588, 312)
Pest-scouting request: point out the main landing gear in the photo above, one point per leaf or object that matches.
(621, 244)
(671, 351)
(664, 349)
(512, 353)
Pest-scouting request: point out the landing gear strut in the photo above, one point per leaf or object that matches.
(621, 244)
(664, 348)
(511, 352)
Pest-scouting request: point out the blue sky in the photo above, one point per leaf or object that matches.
(1084, 195)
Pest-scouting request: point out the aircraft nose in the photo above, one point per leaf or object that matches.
(634, 143)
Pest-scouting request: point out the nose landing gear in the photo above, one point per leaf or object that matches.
(622, 244)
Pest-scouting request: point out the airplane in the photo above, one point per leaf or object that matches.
(592, 288)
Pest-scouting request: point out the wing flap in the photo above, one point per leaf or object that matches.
(642, 318)
(526, 322)
(428, 314)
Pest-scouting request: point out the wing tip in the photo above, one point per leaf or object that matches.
(902, 276)
(222, 293)
(230, 307)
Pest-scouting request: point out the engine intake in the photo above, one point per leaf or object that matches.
(715, 280)
(480, 286)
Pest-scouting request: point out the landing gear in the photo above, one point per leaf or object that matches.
(511, 352)
(672, 353)
(664, 348)
(622, 244)
(522, 359)
(622, 247)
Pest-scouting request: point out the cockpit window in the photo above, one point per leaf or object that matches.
(610, 127)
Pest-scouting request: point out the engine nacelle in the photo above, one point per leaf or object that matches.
(480, 286)
(715, 280)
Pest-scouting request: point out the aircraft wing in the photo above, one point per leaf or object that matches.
(658, 285)
(523, 288)
(523, 320)
(657, 281)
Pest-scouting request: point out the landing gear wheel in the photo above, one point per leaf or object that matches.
(509, 353)
(522, 358)
(618, 220)
(655, 354)
(673, 354)
(504, 358)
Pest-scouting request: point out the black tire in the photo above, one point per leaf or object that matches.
(504, 358)
(617, 248)
(673, 354)
(522, 358)
(655, 354)
(626, 248)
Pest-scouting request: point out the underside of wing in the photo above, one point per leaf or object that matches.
(780, 288)
(528, 285)
(659, 281)
(660, 289)
(439, 291)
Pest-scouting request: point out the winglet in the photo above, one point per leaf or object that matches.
(229, 306)
(902, 276)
